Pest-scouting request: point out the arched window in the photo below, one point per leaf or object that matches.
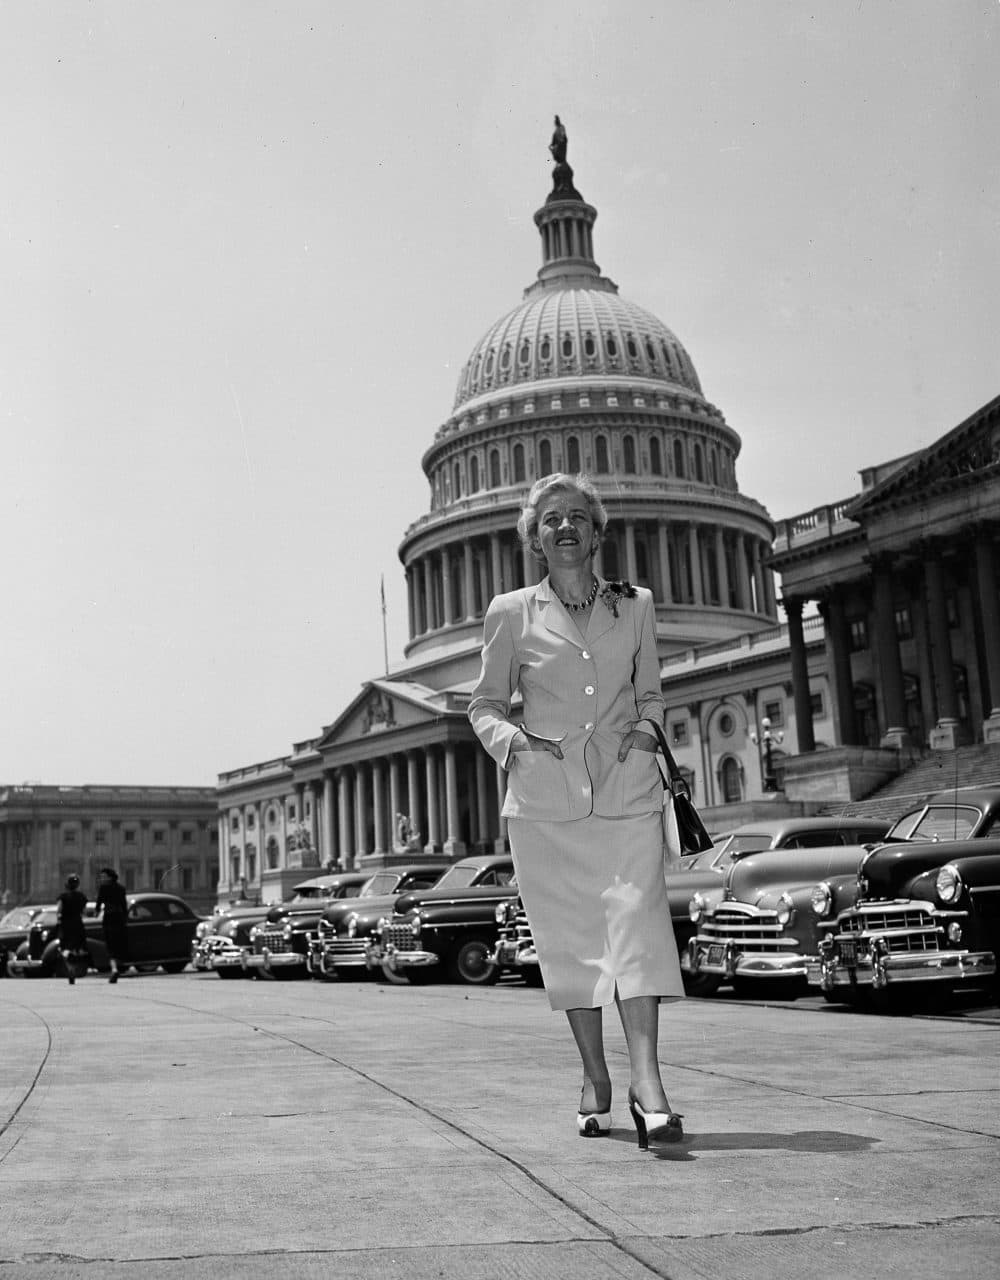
(545, 350)
(573, 455)
(628, 454)
(602, 463)
(488, 367)
(679, 458)
(272, 854)
(524, 355)
(713, 467)
(589, 348)
(545, 458)
(731, 780)
(518, 463)
(655, 456)
(473, 475)
(505, 357)
(611, 346)
(494, 468)
(567, 346)
(456, 474)
(699, 464)
(631, 348)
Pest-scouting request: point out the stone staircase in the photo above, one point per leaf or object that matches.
(974, 766)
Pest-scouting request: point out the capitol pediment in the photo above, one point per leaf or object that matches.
(385, 707)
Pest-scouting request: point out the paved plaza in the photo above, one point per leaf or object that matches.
(187, 1127)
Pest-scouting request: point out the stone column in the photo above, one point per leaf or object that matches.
(989, 609)
(839, 636)
(429, 603)
(449, 604)
(433, 812)
(454, 846)
(468, 583)
(328, 851)
(888, 655)
(631, 571)
(223, 857)
(944, 735)
(395, 799)
(722, 568)
(666, 582)
(382, 827)
(528, 566)
(496, 567)
(800, 677)
(411, 602)
(758, 578)
(360, 810)
(344, 816)
(694, 555)
(481, 828)
(414, 807)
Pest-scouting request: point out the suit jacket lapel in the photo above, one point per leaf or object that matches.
(554, 616)
(601, 617)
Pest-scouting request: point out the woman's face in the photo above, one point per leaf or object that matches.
(566, 529)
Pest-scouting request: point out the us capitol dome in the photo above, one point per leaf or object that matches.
(578, 378)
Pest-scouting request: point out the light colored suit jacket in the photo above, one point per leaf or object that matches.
(583, 691)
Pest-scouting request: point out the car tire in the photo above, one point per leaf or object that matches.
(472, 963)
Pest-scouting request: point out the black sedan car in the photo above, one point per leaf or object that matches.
(161, 928)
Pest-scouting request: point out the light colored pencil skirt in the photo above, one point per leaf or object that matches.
(596, 901)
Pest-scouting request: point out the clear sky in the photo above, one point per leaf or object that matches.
(247, 248)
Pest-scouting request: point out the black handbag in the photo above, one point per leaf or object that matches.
(684, 832)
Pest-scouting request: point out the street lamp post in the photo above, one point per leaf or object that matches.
(767, 739)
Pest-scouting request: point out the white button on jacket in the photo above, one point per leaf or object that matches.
(532, 645)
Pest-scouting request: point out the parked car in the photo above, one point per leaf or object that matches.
(279, 944)
(921, 918)
(14, 926)
(449, 931)
(756, 929)
(515, 947)
(218, 933)
(344, 929)
(160, 928)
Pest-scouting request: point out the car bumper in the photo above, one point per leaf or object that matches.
(877, 971)
(232, 959)
(399, 961)
(725, 960)
(24, 966)
(510, 955)
(269, 961)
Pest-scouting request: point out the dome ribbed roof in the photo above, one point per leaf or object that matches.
(575, 332)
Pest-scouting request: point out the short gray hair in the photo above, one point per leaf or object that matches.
(527, 524)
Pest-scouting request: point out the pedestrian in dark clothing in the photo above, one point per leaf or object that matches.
(72, 938)
(111, 896)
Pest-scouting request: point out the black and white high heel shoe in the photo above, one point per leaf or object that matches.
(654, 1126)
(593, 1124)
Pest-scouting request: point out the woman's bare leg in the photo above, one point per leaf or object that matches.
(640, 1017)
(587, 1026)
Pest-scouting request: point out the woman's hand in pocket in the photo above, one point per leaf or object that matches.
(638, 740)
(528, 742)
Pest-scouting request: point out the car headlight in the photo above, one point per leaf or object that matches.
(821, 900)
(352, 926)
(786, 909)
(949, 883)
(696, 908)
(286, 931)
(380, 928)
(502, 913)
(415, 926)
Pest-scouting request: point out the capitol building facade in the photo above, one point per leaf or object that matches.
(574, 378)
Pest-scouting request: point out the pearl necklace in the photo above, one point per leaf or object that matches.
(584, 604)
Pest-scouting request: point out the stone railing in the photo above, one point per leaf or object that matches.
(812, 526)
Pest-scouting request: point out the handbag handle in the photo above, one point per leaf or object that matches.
(675, 779)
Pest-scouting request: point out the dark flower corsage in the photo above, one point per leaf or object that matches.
(615, 592)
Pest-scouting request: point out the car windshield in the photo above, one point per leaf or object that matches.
(748, 843)
(458, 876)
(717, 857)
(937, 822)
(380, 883)
(19, 918)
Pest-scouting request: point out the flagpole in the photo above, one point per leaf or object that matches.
(385, 632)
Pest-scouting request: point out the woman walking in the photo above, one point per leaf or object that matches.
(72, 936)
(111, 896)
(584, 794)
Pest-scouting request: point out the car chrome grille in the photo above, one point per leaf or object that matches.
(273, 941)
(341, 948)
(399, 936)
(745, 928)
(905, 917)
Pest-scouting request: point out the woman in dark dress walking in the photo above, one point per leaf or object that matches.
(111, 896)
(72, 937)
